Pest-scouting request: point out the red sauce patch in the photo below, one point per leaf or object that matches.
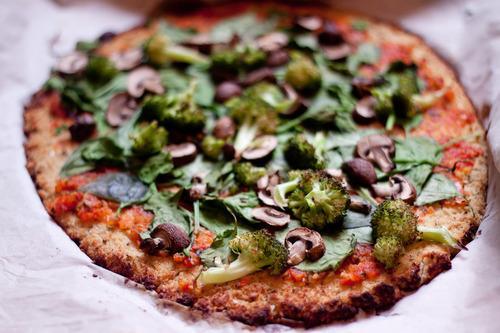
(360, 266)
(391, 52)
(295, 275)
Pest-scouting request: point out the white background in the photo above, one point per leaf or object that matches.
(48, 285)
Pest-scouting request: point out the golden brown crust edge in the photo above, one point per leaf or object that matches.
(267, 299)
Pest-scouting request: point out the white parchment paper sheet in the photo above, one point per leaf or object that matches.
(48, 285)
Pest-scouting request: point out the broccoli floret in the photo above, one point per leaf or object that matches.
(254, 117)
(387, 250)
(302, 154)
(317, 199)
(160, 50)
(212, 147)
(100, 70)
(256, 250)
(303, 75)
(393, 219)
(148, 139)
(270, 94)
(248, 174)
(232, 60)
(177, 111)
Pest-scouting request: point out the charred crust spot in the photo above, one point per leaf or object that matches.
(411, 280)
(257, 317)
(186, 299)
(440, 263)
(328, 312)
(364, 301)
(469, 235)
(386, 296)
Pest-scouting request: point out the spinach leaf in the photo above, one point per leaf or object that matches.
(120, 187)
(154, 166)
(305, 41)
(174, 33)
(246, 26)
(165, 208)
(437, 188)
(365, 54)
(219, 250)
(359, 225)
(75, 163)
(205, 91)
(215, 217)
(336, 140)
(174, 80)
(414, 151)
(418, 176)
(242, 204)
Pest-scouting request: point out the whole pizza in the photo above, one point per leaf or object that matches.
(276, 164)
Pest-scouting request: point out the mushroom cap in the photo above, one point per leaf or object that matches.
(360, 171)
(144, 79)
(227, 90)
(337, 52)
(364, 111)
(174, 238)
(309, 22)
(120, 108)
(262, 147)
(272, 41)
(359, 205)
(182, 153)
(72, 63)
(378, 149)
(271, 216)
(127, 60)
(314, 246)
(407, 191)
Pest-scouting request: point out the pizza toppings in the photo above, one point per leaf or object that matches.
(276, 115)
(72, 63)
(303, 243)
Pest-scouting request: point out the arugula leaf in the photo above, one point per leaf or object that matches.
(156, 165)
(437, 188)
(366, 53)
(165, 208)
(119, 186)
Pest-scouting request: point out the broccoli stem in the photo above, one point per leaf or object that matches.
(246, 134)
(280, 191)
(239, 268)
(439, 235)
(316, 195)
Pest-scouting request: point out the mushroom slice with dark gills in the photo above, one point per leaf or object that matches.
(82, 128)
(271, 216)
(224, 128)
(120, 108)
(144, 79)
(166, 236)
(378, 149)
(330, 35)
(260, 149)
(360, 172)
(272, 41)
(258, 75)
(361, 85)
(303, 243)
(309, 22)
(359, 205)
(128, 59)
(72, 63)
(298, 105)
(398, 187)
(227, 90)
(337, 52)
(364, 110)
(265, 187)
(182, 153)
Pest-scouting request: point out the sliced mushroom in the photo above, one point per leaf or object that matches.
(407, 191)
(166, 236)
(364, 111)
(224, 128)
(360, 172)
(271, 216)
(263, 182)
(336, 173)
(83, 127)
(277, 58)
(378, 149)
(310, 23)
(227, 90)
(362, 85)
(183, 153)
(72, 63)
(330, 35)
(261, 148)
(127, 60)
(303, 243)
(202, 42)
(265, 186)
(335, 53)
(228, 151)
(198, 189)
(107, 36)
(120, 108)
(266, 197)
(359, 205)
(144, 79)
(298, 106)
(398, 187)
(258, 75)
(272, 41)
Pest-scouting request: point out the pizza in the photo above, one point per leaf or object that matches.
(273, 164)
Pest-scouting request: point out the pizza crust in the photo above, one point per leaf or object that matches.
(266, 299)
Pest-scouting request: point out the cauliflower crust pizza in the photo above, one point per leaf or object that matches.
(272, 164)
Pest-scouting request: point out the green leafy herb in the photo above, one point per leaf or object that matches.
(246, 26)
(120, 187)
(437, 188)
(219, 252)
(156, 165)
(359, 25)
(175, 34)
(242, 204)
(365, 54)
(419, 175)
(414, 151)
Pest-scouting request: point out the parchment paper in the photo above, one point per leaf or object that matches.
(48, 285)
